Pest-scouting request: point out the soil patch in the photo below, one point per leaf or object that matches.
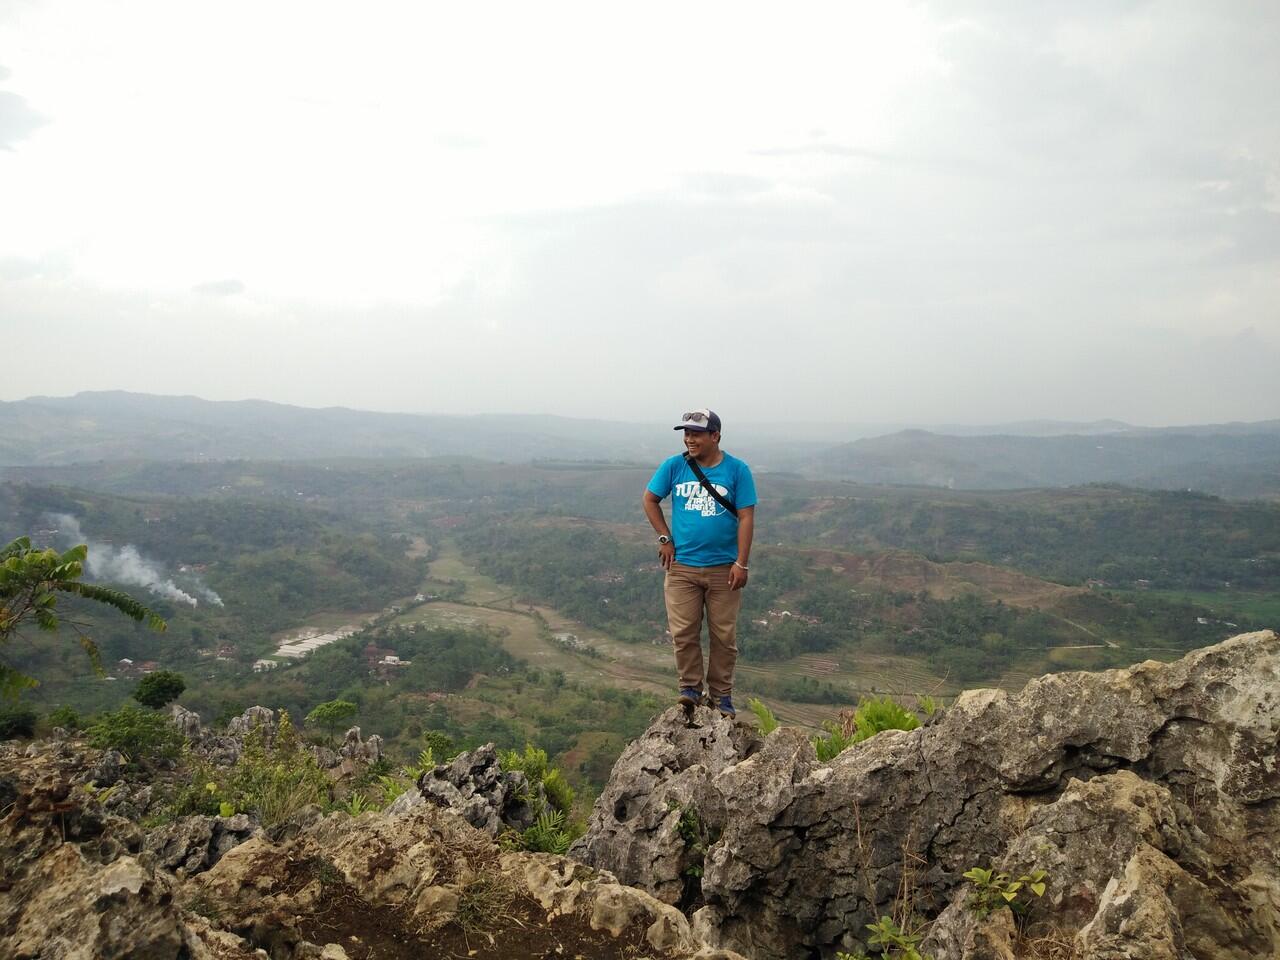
(373, 931)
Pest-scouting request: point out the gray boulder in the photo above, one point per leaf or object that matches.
(475, 787)
(193, 844)
(669, 772)
(187, 722)
(252, 718)
(1148, 795)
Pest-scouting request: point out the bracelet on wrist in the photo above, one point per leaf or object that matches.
(742, 565)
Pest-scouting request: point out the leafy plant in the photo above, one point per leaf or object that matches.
(276, 781)
(440, 744)
(65, 717)
(872, 716)
(226, 809)
(17, 722)
(894, 943)
(993, 890)
(141, 735)
(391, 788)
(837, 739)
(30, 582)
(357, 804)
(559, 794)
(548, 834)
(426, 761)
(696, 835)
(928, 705)
(882, 713)
(157, 689)
(768, 722)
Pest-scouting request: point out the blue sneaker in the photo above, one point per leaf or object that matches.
(690, 697)
(725, 705)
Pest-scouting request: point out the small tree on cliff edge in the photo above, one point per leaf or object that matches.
(331, 714)
(30, 582)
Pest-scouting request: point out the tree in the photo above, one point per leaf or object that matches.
(157, 689)
(30, 582)
(331, 714)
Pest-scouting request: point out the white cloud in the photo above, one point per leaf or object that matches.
(898, 212)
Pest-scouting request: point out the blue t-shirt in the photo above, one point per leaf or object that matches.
(705, 533)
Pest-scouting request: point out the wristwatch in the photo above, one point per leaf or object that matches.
(664, 539)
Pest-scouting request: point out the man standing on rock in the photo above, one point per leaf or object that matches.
(705, 553)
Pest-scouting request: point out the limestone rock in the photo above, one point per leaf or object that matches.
(193, 844)
(670, 769)
(1149, 795)
(187, 722)
(240, 726)
(475, 787)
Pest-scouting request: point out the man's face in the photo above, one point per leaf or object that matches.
(698, 442)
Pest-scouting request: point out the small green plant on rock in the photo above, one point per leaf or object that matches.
(894, 943)
(764, 716)
(993, 890)
(547, 835)
(873, 715)
(697, 837)
(357, 804)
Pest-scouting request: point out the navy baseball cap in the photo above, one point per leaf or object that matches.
(703, 421)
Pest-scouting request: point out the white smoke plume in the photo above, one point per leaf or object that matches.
(204, 591)
(125, 564)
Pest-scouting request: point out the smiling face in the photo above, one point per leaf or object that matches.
(702, 446)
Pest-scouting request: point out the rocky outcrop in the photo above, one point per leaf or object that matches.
(1150, 796)
(475, 787)
(669, 773)
(189, 845)
(78, 885)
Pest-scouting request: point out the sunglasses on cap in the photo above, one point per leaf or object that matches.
(696, 416)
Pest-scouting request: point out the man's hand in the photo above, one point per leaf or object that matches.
(666, 555)
(737, 577)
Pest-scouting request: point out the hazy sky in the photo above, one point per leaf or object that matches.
(957, 212)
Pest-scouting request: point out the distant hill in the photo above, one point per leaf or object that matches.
(115, 425)
(1236, 460)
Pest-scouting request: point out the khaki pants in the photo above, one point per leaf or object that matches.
(688, 590)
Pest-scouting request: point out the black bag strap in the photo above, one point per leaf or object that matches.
(706, 484)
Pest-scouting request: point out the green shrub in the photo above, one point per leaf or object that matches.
(835, 741)
(882, 713)
(65, 717)
(894, 943)
(872, 716)
(532, 763)
(559, 794)
(275, 782)
(141, 735)
(993, 890)
(17, 722)
(157, 689)
(440, 744)
(548, 835)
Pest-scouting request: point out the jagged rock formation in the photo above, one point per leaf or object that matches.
(80, 883)
(1151, 796)
(475, 787)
